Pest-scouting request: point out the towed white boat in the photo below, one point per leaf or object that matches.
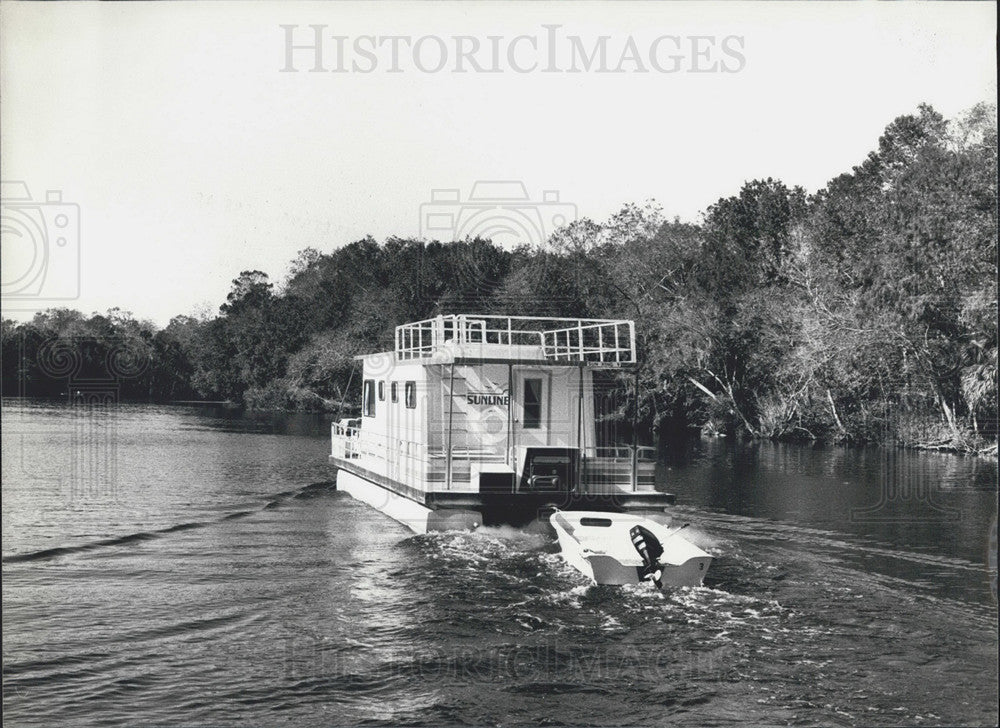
(626, 548)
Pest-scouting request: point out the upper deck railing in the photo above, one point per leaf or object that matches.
(607, 342)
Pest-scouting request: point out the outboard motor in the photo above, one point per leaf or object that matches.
(650, 549)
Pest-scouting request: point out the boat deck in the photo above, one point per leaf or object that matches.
(523, 339)
(514, 508)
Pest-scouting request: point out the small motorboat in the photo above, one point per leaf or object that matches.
(626, 548)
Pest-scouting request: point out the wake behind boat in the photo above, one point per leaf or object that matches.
(626, 548)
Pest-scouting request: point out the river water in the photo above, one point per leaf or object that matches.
(194, 566)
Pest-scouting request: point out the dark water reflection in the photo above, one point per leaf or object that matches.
(196, 566)
(918, 501)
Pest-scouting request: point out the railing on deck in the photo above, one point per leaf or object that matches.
(603, 469)
(644, 453)
(345, 439)
(609, 342)
(603, 342)
(408, 461)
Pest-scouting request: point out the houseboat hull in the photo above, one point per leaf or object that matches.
(423, 511)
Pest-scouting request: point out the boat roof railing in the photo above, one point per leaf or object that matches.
(595, 342)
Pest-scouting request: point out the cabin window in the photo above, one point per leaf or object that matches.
(411, 395)
(381, 391)
(532, 404)
(368, 398)
(394, 392)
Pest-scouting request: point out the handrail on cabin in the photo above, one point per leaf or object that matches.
(594, 341)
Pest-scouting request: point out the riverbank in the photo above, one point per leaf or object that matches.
(328, 411)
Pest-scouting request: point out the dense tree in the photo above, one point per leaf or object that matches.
(865, 312)
(903, 251)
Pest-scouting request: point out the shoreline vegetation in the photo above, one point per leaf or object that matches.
(865, 313)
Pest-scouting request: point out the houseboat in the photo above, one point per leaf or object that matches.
(476, 419)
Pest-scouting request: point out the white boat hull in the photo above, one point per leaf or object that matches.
(599, 546)
(418, 518)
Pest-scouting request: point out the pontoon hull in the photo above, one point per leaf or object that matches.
(423, 511)
(418, 518)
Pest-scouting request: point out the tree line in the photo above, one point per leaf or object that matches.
(866, 312)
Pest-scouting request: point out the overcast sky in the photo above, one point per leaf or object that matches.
(191, 156)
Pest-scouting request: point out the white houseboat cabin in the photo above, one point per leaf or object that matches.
(477, 420)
